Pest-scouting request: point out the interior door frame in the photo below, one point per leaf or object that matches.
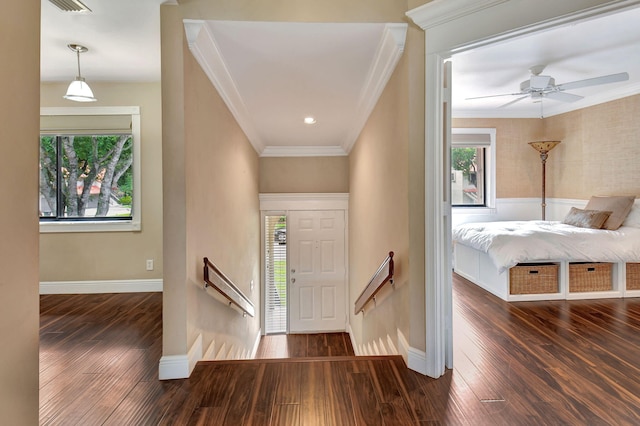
(451, 27)
(286, 202)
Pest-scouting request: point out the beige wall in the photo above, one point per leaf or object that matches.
(19, 82)
(415, 54)
(223, 213)
(379, 212)
(517, 164)
(304, 174)
(89, 256)
(298, 10)
(176, 341)
(174, 234)
(598, 155)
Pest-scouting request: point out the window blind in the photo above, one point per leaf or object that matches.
(276, 274)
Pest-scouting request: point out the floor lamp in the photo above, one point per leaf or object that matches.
(543, 147)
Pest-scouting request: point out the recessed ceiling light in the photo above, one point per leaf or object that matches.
(309, 120)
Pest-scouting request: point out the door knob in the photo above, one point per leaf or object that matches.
(293, 271)
(293, 280)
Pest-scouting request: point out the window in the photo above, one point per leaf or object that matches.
(275, 255)
(86, 176)
(472, 168)
(89, 169)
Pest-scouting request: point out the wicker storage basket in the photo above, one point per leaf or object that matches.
(533, 278)
(633, 276)
(585, 277)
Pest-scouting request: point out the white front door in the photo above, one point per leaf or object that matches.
(317, 273)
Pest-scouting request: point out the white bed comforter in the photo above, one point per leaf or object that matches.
(511, 242)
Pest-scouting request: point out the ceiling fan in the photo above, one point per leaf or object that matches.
(544, 86)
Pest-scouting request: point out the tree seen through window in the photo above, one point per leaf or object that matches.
(86, 176)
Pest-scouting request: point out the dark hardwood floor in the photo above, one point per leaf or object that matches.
(304, 345)
(529, 363)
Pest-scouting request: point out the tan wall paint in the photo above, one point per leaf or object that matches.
(174, 235)
(598, 155)
(414, 51)
(89, 256)
(19, 314)
(223, 212)
(518, 165)
(352, 11)
(298, 10)
(378, 212)
(304, 174)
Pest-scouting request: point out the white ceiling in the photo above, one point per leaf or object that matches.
(275, 74)
(593, 48)
(123, 38)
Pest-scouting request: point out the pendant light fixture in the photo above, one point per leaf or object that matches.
(79, 90)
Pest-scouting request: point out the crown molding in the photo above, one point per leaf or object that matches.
(387, 56)
(202, 45)
(303, 151)
(438, 12)
(204, 48)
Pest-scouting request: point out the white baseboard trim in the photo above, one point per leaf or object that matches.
(106, 286)
(403, 346)
(195, 353)
(173, 367)
(417, 361)
(256, 344)
(356, 350)
(180, 366)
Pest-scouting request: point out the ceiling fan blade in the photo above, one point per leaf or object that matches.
(612, 78)
(495, 96)
(563, 96)
(514, 101)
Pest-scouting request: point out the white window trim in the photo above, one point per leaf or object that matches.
(490, 167)
(135, 224)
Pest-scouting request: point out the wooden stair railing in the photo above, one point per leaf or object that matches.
(383, 275)
(228, 289)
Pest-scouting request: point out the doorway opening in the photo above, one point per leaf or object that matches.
(275, 254)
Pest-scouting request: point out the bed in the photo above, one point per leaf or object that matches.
(593, 253)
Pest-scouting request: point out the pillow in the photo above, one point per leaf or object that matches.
(633, 218)
(586, 218)
(619, 206)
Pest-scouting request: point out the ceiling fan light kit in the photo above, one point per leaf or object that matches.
(79, 90)
(544, 86)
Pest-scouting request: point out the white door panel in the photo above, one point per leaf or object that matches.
(317, 276)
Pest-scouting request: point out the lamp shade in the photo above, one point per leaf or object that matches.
(544, 146)
(79, 91)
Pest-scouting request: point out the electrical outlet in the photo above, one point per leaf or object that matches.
(149, 264)
(251, 285)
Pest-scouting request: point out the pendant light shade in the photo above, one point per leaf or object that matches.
(79, 90)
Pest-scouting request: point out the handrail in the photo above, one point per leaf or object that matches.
(228, 289)
(375, 284)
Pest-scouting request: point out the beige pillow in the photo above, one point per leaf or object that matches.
(619, 206)
(586, 218)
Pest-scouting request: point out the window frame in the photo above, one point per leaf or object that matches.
(489, 167)
(104, 224)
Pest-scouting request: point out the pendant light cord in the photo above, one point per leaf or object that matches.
(78, 56)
